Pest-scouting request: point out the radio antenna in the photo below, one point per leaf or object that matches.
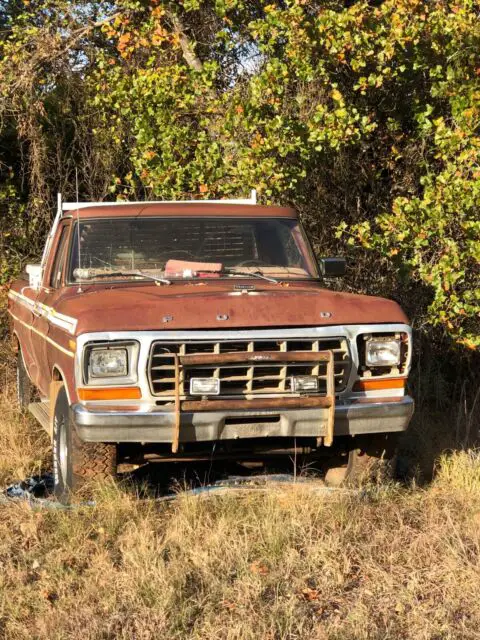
(79, 290)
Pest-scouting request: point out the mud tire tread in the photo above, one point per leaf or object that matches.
(372, 458)
(92, 461)
(87, 461)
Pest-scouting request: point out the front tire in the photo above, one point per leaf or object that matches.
(370, 458)
(77, 463)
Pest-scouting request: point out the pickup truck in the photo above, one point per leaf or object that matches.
(189, 330)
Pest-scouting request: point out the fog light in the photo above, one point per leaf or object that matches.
(304, 383)
(204, 386)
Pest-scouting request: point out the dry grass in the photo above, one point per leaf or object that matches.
(387, 563)
(24, 446)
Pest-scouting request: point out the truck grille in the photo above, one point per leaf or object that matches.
(241, 379)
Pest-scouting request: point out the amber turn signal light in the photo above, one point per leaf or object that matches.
(376, 385)
(110, 393)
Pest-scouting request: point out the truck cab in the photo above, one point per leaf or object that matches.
(176, 330)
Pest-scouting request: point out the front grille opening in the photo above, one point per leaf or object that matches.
(162, 387)
(197, 372)
(233, 347)
(198, 347)
(233, 387)
(241, 420)
(244, 380)
(264, 386)
(268, 346)
(233, 372)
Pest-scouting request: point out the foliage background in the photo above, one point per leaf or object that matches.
(364, 115)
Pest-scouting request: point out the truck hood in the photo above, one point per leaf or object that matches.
(220, 306)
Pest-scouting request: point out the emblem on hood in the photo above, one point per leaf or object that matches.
(325, 314)
(244, 287)
(222, 316)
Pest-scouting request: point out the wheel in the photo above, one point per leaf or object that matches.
(25, 389)
(370, 458)
(76, 463)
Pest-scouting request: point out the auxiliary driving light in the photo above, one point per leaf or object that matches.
(304, 383)
(204, 386)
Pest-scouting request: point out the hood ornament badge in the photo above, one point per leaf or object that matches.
(244, 287)
(325, 314)
(221, 317)
(167, 318)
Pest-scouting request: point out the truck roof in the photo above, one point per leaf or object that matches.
(200, 209)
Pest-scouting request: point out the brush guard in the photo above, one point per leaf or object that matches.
(326, 401)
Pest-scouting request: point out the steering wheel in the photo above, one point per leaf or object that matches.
(252, 263)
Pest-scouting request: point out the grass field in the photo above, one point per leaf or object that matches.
(386, 562)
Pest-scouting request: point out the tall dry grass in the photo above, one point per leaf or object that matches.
(24, 446)
(387, 562)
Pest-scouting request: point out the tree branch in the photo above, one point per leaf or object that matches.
(186, 44)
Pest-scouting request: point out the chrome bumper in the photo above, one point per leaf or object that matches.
(116, 424)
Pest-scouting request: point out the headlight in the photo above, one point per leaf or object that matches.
(382, 353)
(106, 363)
(110, 363)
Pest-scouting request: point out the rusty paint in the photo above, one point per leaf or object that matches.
(189, 306)
(258, 454)
(308, 402)
(195, 210)
(55, 387)
(178, 415)
(328, 440)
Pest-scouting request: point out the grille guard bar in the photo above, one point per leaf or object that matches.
(325, 402)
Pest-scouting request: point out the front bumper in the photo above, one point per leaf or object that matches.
(117, 424)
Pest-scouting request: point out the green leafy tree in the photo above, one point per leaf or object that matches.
(364, 115)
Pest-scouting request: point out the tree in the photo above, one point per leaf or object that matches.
(364, 115)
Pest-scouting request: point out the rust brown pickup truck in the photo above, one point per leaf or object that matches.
(155, 331)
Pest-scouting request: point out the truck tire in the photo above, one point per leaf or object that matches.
(77, 463)
(371, 458)
(25, 389)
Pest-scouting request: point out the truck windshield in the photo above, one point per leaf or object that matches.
(189, 248)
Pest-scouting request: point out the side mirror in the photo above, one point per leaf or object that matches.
(332, 267)
(34, 272)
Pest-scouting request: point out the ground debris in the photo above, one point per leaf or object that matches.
(33, 487)
(38, 490)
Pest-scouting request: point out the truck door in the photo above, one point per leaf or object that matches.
(53, 281)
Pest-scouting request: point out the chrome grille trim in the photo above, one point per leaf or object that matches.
(145, 338)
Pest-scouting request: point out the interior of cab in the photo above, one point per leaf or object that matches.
(148, 244)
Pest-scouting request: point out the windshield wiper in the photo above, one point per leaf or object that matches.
(119, 274)
(248, 274)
